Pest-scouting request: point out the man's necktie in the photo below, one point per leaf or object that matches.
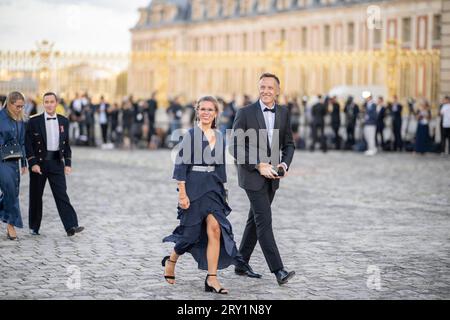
(51, 119)
(269, 110)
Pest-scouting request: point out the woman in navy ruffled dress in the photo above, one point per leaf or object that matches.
(204, 230)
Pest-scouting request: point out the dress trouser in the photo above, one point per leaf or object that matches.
(316, 128)
(104, 128)
(397, 128)
(259, 227)
(351, 134)
(369, 135)
(445, 136)
(379, 133)
(53, 170)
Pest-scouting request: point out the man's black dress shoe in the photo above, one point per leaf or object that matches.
(34, 232)
(283, 276)
(71, 232)
(244, 269)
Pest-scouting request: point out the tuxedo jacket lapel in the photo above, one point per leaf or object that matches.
(262, 125)
(277, 124)
(260, 116)
(60, 130)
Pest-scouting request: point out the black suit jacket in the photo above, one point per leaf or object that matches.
(319, 111)
(36, 140)
(251, 117)
(381, 116)
(396, 115)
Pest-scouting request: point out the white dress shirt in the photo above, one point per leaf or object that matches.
(52, 130)
(103, 118)
(269, 119)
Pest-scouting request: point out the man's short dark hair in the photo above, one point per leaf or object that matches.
(48, 94)
(270, 75)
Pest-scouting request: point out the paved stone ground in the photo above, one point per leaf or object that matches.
(340, 219)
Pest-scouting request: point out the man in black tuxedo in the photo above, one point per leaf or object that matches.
(49, 157)
(152, 107)
(319, 111)
(351, 111)
(381, 110)
(260, 169)
(395, 109)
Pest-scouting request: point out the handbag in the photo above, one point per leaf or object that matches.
(11, 151)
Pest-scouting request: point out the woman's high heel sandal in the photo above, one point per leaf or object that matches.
(208, 288)
(163, 262)
(11, 238)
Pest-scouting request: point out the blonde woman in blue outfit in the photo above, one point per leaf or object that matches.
(12, 150)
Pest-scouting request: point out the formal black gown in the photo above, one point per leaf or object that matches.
(423, 140)
(207, 195)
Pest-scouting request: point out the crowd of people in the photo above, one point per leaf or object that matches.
(376, 125)
(369, 125)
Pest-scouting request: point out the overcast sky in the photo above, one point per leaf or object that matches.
(73, 25)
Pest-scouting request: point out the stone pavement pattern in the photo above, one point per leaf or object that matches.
(340, 220)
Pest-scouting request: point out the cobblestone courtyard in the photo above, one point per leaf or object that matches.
(351, 227)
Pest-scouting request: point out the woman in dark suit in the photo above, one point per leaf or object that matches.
(12, 132)
(204, 230)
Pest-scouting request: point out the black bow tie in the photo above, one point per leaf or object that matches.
(269, 110)
(51, 119)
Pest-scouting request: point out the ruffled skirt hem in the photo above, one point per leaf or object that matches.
(190, 236)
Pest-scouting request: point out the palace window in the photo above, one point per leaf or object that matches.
(283, 35)
(304, 3)
(284, 4)
(406, 30)
(263, 40)
(229, 8)
(156, 15)
(351, 34)
(246, 7)
(212, 43)
(263, 5)
(326, 36)
(143, 20)
(304, 39)
(213, 8)
(437, 26)
(198, 10)
(422, 32)
(170, 13)
(377, 37)
(196, 44)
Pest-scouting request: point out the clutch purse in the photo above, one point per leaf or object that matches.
(11, 152)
